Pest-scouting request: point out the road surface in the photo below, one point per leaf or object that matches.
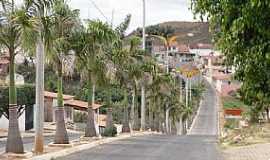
(206, 122)
(200, 144)
(29, 141)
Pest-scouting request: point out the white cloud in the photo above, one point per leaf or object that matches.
(156, 10)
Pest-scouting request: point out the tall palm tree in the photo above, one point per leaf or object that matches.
(39, 11)
(13, 39)
(63, 22)
(148, 65)
(133, 68)
(94, 42)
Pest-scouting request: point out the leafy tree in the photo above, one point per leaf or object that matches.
(13, 37)
(91, 45)
(242, 32)
(63, 22)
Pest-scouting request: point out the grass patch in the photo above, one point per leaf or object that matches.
(254, 134)
(233, 103)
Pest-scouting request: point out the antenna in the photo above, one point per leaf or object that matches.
(100, 11)
(112, 18)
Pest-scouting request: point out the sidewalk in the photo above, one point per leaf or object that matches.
(55, 151)
(252, 152)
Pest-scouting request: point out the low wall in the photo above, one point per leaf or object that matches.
(4, 122)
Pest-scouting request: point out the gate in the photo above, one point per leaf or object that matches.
(29, 117)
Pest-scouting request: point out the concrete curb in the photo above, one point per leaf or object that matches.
(82, 147)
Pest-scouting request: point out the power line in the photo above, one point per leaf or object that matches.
(100, 11)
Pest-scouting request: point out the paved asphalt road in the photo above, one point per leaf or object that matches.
(199, 145)
(207, 119)
(29, 141)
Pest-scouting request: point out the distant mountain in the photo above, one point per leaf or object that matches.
(200, 31)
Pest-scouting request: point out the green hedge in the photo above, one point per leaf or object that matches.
(110, 132)
(25, 97)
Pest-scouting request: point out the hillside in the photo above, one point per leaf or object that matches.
(199, 29)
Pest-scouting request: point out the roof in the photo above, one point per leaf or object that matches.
(54, 95)
(222, 76)
(80, 105)
(201, 46)
(227, 89)
(4, 61)
(183, 48)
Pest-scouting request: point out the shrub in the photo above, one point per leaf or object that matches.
(110, 132)
(80, 117)
(25, 98)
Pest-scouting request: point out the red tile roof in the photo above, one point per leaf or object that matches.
(222, 76)
(53, 95)
(4, 61)
(201, 46)
(183, 48)
(81, 105)
(226, 89)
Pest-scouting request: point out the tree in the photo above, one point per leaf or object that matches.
(13, 37)
(242, 34)
(40, 36)
(92, 45)
(63, 22)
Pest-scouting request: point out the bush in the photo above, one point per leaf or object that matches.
(231, 124)
(80, 117)
(110, 132)
(25, 98)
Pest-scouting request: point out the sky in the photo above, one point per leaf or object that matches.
(157, 11)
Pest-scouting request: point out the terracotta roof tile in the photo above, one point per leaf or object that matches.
(228, 88)
(81, 105)
(54, 95)
(4, 61)
(183, 48)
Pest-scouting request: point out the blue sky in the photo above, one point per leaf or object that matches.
(156, 10)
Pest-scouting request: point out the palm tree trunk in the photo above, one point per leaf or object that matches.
(93, 104)
(132, 112)
(143, 107)
(151, 118)
(179, 126)
(90, 130)
(14, 140)
(109, 121)
(61, 136)
(167, 115)
(267, 115)
(39, 139)
(125, 123)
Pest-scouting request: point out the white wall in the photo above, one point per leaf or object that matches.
(4, 122)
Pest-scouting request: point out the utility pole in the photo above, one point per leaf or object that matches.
(167, 59)
(187, 92)
(39, 107)
(190, 83)
(144, 37)
(142, 84)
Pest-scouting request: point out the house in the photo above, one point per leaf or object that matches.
(4, 64)
(71, 107)
(50, 100)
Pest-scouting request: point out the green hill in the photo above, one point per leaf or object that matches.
(200, 31)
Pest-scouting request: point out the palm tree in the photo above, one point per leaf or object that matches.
(166, 35)
(91, 48)
(13, 39)
(39, 11)
(63, 21)
(148, 64)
